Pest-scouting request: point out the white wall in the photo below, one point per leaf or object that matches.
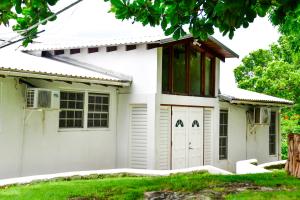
(31, 142)
(12, 120)
(141, 65)
(241, 144)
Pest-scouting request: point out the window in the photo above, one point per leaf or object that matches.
(208, 77)
(187, 70)
(195, 73)
(83, 110)
(272, 134)
(71, 114)
(223, 135)
(165, 69)
(98, 108)
(179, 71)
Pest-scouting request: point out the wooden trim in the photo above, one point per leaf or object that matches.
(171, 74)
(183, 41)
(212, 53)
(59, 52)
(111, 48)
(153, 45)
(130, 47)
(203, 74)
(213, 77)
(93, 50)
(74, 51)
(187, 68)
(187, 45)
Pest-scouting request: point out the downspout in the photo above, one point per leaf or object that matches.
(116, 127)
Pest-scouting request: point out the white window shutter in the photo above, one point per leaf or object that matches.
(207, 136)
(138, 143)
(164, 138)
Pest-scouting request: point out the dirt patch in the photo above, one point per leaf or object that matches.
(84, 198)
(212, 193)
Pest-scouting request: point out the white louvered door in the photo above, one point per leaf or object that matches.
(138, 144)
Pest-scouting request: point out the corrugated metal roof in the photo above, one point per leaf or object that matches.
(248, 97)
(12, 62)
(74, 43)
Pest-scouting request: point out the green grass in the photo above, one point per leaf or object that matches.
(133, 187)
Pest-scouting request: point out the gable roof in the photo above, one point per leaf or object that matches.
(241, 96)
(75, 43)
(19, 64)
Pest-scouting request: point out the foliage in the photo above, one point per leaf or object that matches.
(275, 71)
(199, 16)
(128, 187)
(290, 26)
(25, 13)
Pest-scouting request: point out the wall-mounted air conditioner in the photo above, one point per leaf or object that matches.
(39, 98)
(262, 115)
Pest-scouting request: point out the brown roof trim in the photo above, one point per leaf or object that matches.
(211, 44)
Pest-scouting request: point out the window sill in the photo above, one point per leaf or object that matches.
(67, 130)
(275, 156)
(187, 95)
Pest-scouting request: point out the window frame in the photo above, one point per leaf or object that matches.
(85, 112)
(273, 134)
(72, 109)
(204, 53)
(98, 112)
(222, 137)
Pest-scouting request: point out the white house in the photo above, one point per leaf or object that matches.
(146, 102)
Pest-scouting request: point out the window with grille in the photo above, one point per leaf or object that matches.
(272, 134)
(223, 135)
(98, 110)
(72, 110)
(30, 98)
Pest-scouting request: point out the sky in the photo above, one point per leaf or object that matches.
(90, 19)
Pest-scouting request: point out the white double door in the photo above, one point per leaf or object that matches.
(187, 137)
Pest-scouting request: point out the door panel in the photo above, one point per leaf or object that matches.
(195, 137)
(179, 137)
(187, 137)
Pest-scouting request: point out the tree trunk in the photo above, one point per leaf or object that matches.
(293, 163)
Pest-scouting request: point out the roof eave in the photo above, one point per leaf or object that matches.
(235, 55)
(45, 76)
(189, 36)
(260, 103)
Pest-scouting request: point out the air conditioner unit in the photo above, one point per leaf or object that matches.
(39, 98)
(262, 115)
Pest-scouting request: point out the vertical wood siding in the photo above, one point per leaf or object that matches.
(138, 137)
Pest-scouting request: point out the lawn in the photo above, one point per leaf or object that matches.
(276, 185)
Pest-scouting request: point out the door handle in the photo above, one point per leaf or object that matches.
(190, 148)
